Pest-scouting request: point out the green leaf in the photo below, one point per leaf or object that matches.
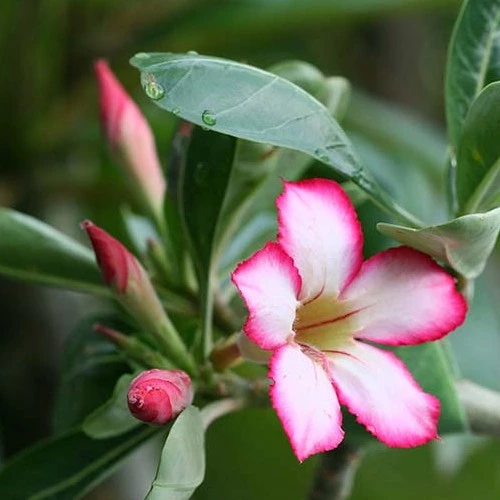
(478, 154)
(472, 51)
(113, 418)
(34, 251)
(66, 467)
(182, 464)
(252, 104)
(258, 168)
(464, 243)
(91, 366)
(203, 185)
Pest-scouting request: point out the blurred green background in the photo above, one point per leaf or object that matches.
(54, 165)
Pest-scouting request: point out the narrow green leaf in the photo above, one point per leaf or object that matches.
(182, 464)
(464, 243)
(478, 154)
(90, 368)
(66, 467)
(113, 418)
(472, 51)
(255, 105)
(203, 186)
(34, 251)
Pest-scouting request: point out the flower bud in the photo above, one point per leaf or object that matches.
(157, 396)
(124, 274)
(120, 269)
(129, 134)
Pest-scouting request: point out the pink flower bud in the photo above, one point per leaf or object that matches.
(117, 264)
(130, 282)
(129, 134)
(157, 396)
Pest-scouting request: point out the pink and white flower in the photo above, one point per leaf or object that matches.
(316, 307)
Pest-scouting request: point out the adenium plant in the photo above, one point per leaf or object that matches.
(211, 293)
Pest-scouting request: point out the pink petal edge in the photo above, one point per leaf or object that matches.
(404, 298)
(377, 387)
(269, 284)
(319, 229)
(305, 401)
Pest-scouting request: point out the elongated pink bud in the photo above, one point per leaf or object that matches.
(157, 396)
(118, 266)
(129, 134)
(124, 274)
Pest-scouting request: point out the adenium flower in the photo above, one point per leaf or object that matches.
(158, 396)
(316, 307)
(129, 134)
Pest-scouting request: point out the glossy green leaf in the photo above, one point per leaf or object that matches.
(472, 47)
(113, 418)
(182, 464)
(34, 251)
(202, 190)
(203, 186)
(66, 467)
(90, 368)
(255, 105)
(464, 243)
(478, 154)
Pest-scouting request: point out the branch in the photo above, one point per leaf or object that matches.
(335, 474)
(482, 407)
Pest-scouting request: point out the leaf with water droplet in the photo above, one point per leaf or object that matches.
(153, 89)
(208, 118)
(253, 104)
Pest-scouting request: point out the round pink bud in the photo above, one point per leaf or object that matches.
(157, 396)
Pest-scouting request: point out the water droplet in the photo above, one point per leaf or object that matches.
(208, 118)
(152, 88)
(142, 55)
(176, 111)
(192, 52)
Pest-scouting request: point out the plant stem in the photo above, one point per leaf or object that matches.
(335, 474)
(482, 407)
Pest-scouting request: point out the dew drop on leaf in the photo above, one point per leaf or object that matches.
(176, 111)
(208, 118)
(152, 88)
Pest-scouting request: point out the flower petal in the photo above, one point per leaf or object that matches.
(319, 229)
(269, 284)
(377, 387)
(305, 402)
(403, 297)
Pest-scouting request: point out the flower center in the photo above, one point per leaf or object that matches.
(324, 323)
